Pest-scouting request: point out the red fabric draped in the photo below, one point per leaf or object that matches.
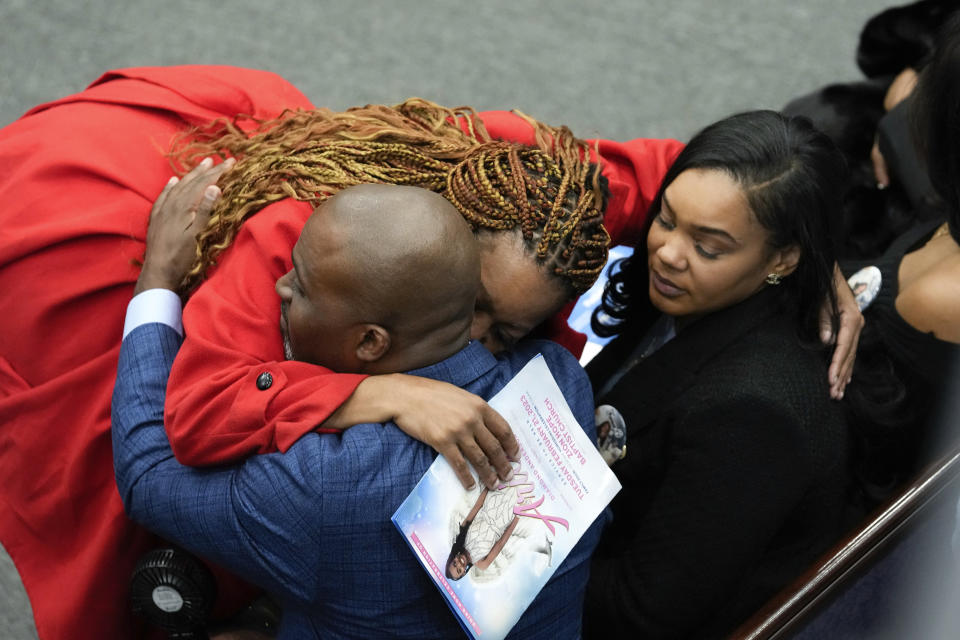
(77, 179)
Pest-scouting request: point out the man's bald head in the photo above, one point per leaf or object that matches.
(395, 266)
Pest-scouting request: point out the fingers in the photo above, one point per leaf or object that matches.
(481, 464)
(458, 464)
(498, 443)
(206, 173)
(494, 458)
(182, 209)
(848, 335)
(459, 425)
(485, 452)
(845, 354)
(191, 199)
(500, 429)
(213, 173)
(162, 198)
(486, 441)
(202, 214)
(182, 196)
(880, 172)
(196, 175)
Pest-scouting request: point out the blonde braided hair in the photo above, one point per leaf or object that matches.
(310, 155)
(556, 201)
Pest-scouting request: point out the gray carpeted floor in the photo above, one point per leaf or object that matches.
(618, 69)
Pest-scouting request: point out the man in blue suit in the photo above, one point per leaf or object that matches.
(312, 526)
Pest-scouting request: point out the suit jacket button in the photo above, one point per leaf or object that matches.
(264, 380)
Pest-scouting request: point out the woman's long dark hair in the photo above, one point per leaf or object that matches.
(793, 178)
(888, 407)
(936, 118)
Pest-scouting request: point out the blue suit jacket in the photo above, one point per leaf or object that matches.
(312, 526)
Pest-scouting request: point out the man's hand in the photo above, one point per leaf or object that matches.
(181, 211)
(847, 337)
(456, 423)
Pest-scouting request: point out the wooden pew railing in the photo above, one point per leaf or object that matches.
(827, 577)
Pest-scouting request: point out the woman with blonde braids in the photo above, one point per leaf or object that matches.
(79, 178)
(538, 220)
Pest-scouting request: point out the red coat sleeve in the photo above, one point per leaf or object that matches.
(215, 410)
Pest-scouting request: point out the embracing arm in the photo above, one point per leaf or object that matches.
(737, 470)
(193, 508)
(232, 394)
(457, 424)
(239, 518)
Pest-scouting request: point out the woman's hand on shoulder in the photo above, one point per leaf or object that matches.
(181, 211)
(459, 425)
(847, 337)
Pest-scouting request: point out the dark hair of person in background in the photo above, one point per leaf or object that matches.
(895, 39)
(936, 120)
(891, 409)
(901, 37)
(792, 178)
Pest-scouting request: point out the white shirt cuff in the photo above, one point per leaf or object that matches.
(154, 305)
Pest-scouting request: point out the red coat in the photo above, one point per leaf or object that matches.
(77, 180)
(215, 411)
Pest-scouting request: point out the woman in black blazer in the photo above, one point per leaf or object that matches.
(736, 467)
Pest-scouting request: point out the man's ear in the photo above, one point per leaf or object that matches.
(373, 344)
(785, 261)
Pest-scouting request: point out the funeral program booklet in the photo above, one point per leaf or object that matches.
(490, 552)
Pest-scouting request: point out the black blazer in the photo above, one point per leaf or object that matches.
(735, 476)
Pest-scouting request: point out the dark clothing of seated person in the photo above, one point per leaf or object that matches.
(735, 472)
(312, 525)
(881, 200)
(900, 239)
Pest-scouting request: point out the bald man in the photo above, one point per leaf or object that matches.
(384, 280)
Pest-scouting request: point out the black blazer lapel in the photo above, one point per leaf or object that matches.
(642, 394)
